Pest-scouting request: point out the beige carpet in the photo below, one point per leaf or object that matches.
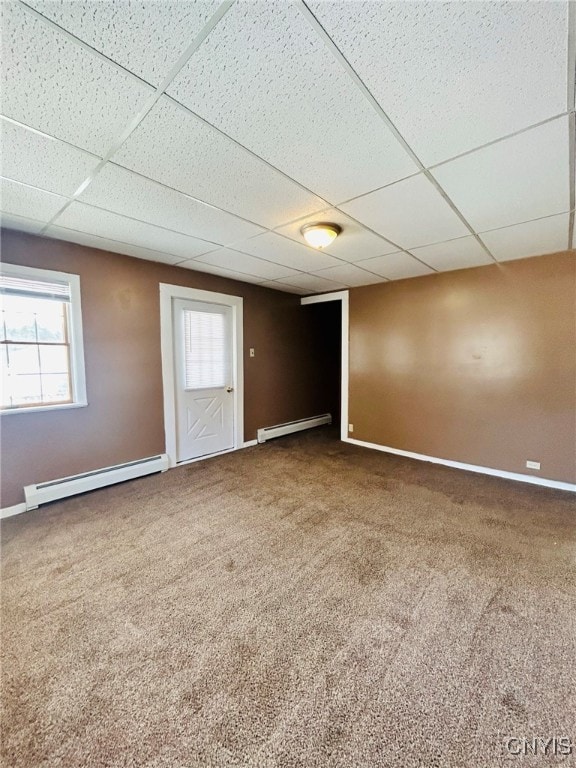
(304, 603)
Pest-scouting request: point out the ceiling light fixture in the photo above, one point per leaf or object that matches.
(321, 234)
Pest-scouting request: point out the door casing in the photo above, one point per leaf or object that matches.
(236, 303)
(342, 296)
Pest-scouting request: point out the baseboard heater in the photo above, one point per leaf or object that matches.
(89, 481)
(293, 426)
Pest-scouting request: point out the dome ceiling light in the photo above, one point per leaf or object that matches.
(321, 234)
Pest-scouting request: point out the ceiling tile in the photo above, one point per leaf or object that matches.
(145, 37)
(315, 283)
(281, 250)
(396, 266)
(105, 244)
(22, 200)
(518, 179)
(454, 76)
(312, 122)
(455, 254)
(251, 265)
(410, 213)
(125, 192)
(85, 218)
(60, 88)
(350, 275)
(179, 150)
(354, 242)
(21, 223)
(533, 238)
(212, 269)
(43, 161)
(280, 285)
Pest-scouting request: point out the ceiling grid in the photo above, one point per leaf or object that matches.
(132, 125)
(146, 109)
(228, 217)
(339, 56)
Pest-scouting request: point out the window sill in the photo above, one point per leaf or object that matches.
(42, 408)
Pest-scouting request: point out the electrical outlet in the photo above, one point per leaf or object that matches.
(251, 351)
(350, 427)
(533, 465)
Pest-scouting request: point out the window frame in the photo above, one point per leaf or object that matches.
(76, 338)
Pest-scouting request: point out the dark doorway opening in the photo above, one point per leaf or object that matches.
(327, 341)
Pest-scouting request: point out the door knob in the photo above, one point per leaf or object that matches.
(229, 389)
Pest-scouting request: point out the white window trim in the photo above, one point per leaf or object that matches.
(78, 372)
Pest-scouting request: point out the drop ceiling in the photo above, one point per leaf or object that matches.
(205, 134)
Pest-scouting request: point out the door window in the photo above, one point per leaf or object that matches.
(205, 350)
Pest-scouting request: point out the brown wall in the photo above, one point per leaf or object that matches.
(477, 365)
(121, 319)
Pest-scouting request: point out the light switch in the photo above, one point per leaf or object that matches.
(251, 351)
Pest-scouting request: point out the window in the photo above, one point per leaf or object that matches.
(205, 349)
(42, 359)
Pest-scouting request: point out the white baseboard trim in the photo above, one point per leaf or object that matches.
(17, 509)
(250, 443)
(558, 484)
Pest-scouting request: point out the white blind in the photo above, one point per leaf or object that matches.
(36, 289)
(205, 353)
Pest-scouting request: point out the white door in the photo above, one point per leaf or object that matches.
(203, 371)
